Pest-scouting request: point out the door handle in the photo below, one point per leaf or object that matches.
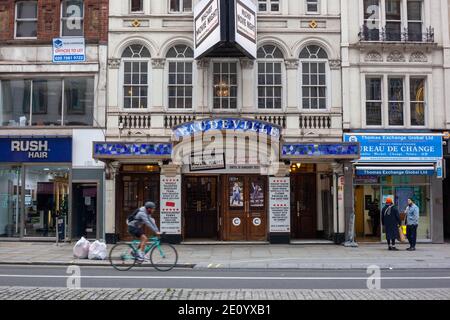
(298, 208)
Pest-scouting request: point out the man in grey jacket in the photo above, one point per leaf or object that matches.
(135, 227)
(412, 222)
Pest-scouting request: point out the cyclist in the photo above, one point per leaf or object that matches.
(135, 226)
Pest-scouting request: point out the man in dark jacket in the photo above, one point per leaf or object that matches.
(391, 221)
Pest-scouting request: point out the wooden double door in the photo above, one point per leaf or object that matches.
(245, 207)
(134, 191)
(201, 207)
(303, 206)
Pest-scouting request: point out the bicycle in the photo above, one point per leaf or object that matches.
(162, 256)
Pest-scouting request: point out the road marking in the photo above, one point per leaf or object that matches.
(221, 278)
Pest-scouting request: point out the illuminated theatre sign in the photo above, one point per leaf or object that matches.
(228, 124)
(225, 28)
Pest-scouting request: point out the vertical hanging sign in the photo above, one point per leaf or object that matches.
(279, 204)
(170, 216)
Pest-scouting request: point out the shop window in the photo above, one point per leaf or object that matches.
(26, 19)
(78, 101)
(136, 6)
(46, 199)
(44, 97)
(11, 201)
(180, 60)
(314, 65)
(72, 18)
(270, 86)
(396, 101)
(135, 61)
(373, 102)
(225, 85)
(180, 6)
(417, 101)
(269, 5)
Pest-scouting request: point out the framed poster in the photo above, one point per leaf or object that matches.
(236, 192)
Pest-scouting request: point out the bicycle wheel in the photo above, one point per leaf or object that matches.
(122, 257)
(164, 257)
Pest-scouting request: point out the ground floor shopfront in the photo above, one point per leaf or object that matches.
(400, 167)
(220, 197)
(44, 194)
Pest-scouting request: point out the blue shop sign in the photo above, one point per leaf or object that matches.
(398, 148)
(232, 124)
(310, 150)
(394, 172)
(32, 149)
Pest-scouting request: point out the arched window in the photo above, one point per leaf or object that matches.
(180, 59)
(135, 61)
(314, 65)
(270, 84)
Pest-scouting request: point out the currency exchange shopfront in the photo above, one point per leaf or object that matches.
(398, 166)
(35, 175)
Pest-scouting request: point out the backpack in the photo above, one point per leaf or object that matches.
(132, 216)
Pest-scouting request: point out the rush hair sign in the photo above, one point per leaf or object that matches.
(35, 149)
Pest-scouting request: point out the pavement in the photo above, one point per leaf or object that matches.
(23, 293)
(434, 256)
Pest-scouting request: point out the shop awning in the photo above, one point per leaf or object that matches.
(427, 170)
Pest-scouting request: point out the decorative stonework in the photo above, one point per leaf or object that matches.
(247, 64)
(396, 56)
(158, 63)
(203, 64)
(374, 56)
(114, 63)
(291, 64)
(418, 57)
(335, 64)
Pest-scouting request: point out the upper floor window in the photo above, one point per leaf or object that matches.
(400, 100)
(180, 6)
(270, 85)
(225, 85)
(26, 19)
(401, 20)
(180, 59)
(135, 60)
(312, 6)
(47, 102)
(314, 65)
(136, 6)
(269, 5)
(72, 18)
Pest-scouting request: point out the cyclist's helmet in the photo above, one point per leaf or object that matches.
(150, 205)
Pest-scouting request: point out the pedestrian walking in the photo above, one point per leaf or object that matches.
(412, 223)
(390, 217)
(374, 214)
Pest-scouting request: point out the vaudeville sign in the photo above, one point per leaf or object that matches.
(397, 147)
(30, 149)
(224, 28)
(233, 124)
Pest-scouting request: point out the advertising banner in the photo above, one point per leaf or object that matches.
(207, 30)
(69, 50)
(170, 215)
(245, 26)
(279, 204)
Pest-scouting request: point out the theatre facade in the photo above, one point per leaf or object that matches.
(228, 117)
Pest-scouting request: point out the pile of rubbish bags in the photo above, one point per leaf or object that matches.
(96, 250)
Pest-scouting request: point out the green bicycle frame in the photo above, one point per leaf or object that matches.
(155, 242)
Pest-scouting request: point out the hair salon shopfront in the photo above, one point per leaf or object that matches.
(226, 179)
(401, 167)
(43, 184)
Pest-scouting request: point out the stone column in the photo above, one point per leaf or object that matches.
(338, 203)
(111, 232)
(348, 196)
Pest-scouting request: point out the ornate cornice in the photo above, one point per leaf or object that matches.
(158, 63)
(114, 63)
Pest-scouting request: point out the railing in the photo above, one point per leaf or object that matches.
(315, 121)
(279, 120)
(171, 121)
(134, 121)
(385, 35)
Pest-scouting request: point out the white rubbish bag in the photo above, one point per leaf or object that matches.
(97, 251)
(81, 249)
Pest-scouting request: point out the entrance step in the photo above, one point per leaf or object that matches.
(312, 241)
(208, 242)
